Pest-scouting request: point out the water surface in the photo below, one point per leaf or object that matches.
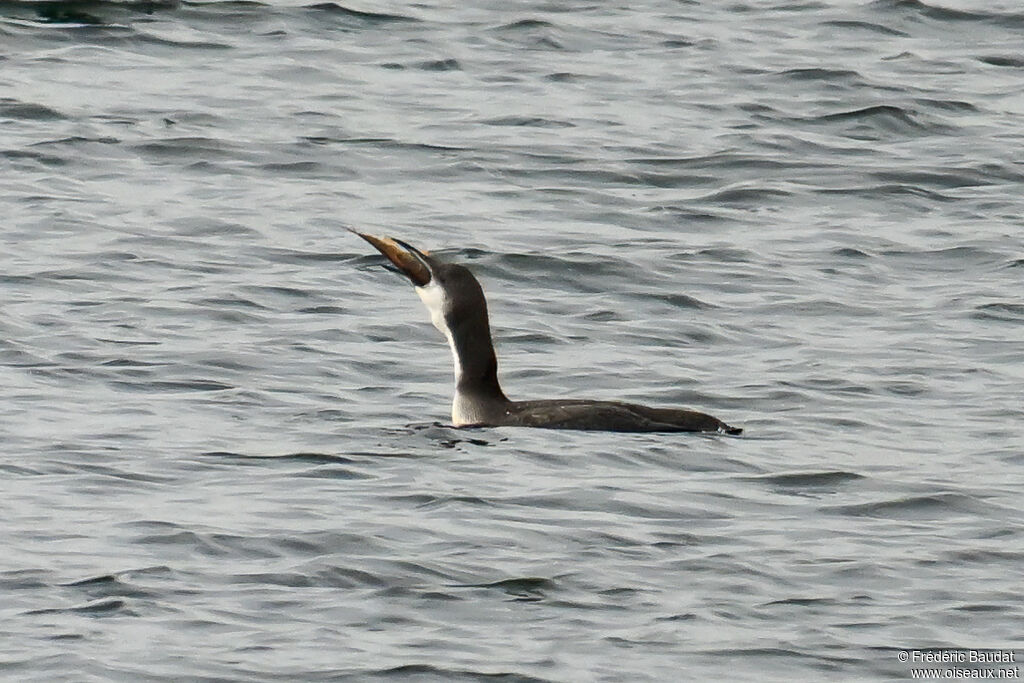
(223, 422)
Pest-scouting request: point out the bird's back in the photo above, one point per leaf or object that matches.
(609, 416)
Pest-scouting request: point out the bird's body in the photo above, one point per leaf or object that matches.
(459, 310)
(608, 416)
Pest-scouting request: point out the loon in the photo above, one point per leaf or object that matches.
(458, 310)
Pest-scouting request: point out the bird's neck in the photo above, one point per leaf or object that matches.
(478, 393)
(476, 365)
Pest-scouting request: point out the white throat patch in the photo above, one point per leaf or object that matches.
(434, 299)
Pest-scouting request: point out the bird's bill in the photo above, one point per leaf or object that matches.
(409, 260)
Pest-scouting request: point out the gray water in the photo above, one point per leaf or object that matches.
(223, 422)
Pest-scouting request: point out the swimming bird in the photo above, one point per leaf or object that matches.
(459, 310)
